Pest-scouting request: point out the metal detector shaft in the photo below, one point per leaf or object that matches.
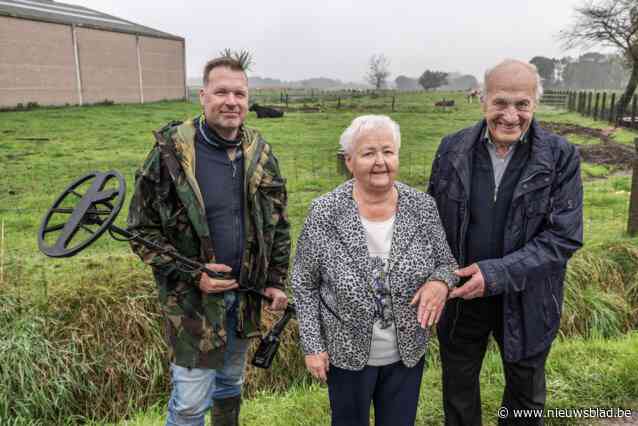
(186, 261)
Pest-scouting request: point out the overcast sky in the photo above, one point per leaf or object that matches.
(294, 40)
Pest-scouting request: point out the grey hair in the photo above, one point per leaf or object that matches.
(366, 123)
(530, 67)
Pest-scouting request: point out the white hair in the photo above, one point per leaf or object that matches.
(530, 67)
(366, 123)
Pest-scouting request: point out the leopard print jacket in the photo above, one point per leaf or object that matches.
(332, 268)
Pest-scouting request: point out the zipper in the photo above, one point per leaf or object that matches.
(493, 180)
(556, 303)
(464, 224)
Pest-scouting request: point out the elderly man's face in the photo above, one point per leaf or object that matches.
(374, 160)
(509, 104)
(225, 101)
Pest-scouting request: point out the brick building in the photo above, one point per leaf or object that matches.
(55, 53)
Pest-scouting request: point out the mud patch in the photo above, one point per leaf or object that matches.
(607, 152)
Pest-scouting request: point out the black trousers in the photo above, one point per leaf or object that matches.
(463, 333)
(393, 388)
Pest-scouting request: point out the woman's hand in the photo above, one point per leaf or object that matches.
(430, 299)
(318, 365)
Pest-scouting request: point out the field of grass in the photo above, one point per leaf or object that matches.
(82, 338)
(592, 373)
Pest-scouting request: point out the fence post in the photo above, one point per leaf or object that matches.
(339, 102)
(286, 100)
(589, 96)
(577, 101)
(632, 225)
(633, 112)
(603, 111)
(612, 109)
(569, 101)
(393, 100)
(596, 105)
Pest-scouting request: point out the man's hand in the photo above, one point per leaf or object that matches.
(475, 287)
(318, 365)
(214, 285)
(279, 299)
(431, 299)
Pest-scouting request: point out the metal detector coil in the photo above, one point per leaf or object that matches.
(88, 207)
(77, 219)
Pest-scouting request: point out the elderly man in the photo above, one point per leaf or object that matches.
(510, 198)
(211, 189)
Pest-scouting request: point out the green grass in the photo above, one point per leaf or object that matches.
(580, 374)
(118, 137)
(84, 332)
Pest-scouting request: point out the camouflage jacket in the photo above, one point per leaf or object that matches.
(167, 208)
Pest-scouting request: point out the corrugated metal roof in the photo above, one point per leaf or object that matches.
(62, 13)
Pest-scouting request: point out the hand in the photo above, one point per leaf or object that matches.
(475, 287)
(279, 299)
(215, 285)
(431, 299)
(318, 365)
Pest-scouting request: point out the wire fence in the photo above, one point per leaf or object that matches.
(315, 100)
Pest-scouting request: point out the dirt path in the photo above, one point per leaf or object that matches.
(607, 152)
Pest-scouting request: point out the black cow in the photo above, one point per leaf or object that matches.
(444, 103)
(266, 112)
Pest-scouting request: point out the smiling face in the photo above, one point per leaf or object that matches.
(374, 160)
(225, 101)
(510, 102)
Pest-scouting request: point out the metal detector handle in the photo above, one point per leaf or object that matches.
(269, 344)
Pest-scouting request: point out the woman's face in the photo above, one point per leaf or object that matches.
(374, 160)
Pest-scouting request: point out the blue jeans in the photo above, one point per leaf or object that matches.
(194, 389)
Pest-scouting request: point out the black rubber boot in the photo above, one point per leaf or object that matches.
(226, 411)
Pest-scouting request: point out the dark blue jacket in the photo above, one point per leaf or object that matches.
(544, 228)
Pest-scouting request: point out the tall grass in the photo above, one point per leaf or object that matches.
(600, 291)
(94, 348)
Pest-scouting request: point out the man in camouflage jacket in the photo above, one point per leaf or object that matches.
(208, 320)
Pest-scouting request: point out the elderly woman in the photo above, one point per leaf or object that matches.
(371, 275)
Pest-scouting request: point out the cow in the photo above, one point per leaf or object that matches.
(444, 103)
(266, 112)
(473, 94)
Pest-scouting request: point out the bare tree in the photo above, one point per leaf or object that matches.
(379, 71)
(612, 23)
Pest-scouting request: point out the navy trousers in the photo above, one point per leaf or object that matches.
(394, 390)
(463, 334)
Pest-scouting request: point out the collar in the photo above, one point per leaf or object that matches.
(488, 138)
(213, 138)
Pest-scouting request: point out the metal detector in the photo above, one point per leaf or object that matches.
(88, 207)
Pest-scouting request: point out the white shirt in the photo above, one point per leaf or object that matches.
(383, 348)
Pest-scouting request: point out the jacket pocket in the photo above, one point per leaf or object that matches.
(536, 211)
